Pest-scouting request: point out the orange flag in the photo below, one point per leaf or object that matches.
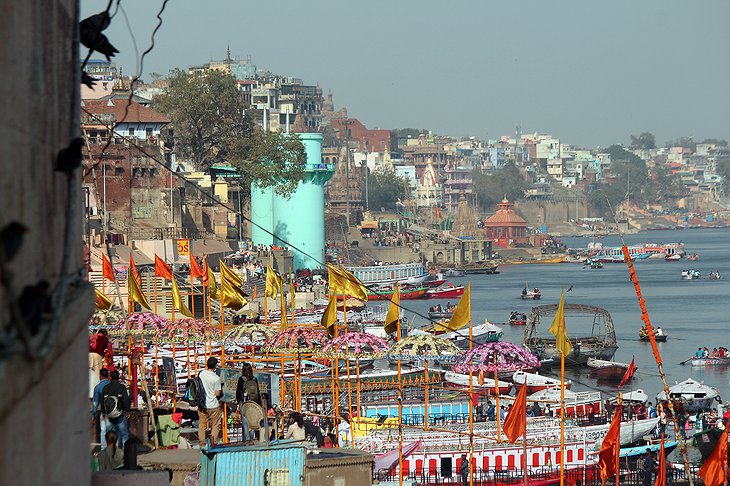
(610, 447)
(712, 471)
(162, 269)
(195, 270)
(516, 422)
(106, 268)
(629, 373)
(255, 292)
(133, 269)
(661, 474)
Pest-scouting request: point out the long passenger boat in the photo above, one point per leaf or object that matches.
(405, 293)
(409, 273)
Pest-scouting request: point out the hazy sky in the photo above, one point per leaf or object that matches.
(589, 72)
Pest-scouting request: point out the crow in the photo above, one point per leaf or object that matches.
(571, 288)
(90, 34)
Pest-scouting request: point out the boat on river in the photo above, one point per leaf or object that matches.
(673, 258)
(405, 273)
(691, 396)
(600, 344)
(479, 267)
(533, 294)
(535, 382)
(659, 335)
(577, 404)
(462, 380)
(711, 361)
(405, 293)
(607, 370)
(448, 291)
(691, 275)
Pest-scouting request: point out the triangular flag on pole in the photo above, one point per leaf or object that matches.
(273, 283)
(232, 295)
(162, 269)
(343, 282)
(329, 318)
(177, 301)
(712, 471)
(516, 422)
(195, 270)
(107, 270)
(562, 343)
(209, 280)
(462, 314)
(629, 373)
(661, 473)
(133, 269)
(393, 315)
(135, 292)
(102, 301)
(284, 320)
(610, 447)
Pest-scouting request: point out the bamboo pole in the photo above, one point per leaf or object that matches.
(425, 397)
(562, 418)
(496, 399)
(471, 411)
(400, 414)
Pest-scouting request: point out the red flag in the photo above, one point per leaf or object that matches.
(661, 474)
(629, 373)
(610, 447)
(162, 269)
(195, 270)
(516, 422)
(133, 269)
(712, 471)
(106, 268)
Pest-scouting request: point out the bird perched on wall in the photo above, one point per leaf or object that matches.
(90, 34)
(69, 159)
(11, 239)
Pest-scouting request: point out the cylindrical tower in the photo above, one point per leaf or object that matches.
(300, 218)
(262, 215)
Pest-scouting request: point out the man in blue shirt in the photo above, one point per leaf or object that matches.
(103, 422)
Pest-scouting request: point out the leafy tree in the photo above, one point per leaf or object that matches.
(491, 188)
(386, 188)
(645, 140)
(212, 126)
(723, 169)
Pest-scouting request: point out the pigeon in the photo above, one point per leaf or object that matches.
(87, 80)
(69, 159)
(11, 238)
(90, 34)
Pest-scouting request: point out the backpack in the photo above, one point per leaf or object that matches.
(112, 407)
(195, 392)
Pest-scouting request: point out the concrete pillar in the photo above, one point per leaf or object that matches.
(262, 215)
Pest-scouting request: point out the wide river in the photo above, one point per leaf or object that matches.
(694, 313)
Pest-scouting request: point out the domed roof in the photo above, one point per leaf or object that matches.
(505, 216)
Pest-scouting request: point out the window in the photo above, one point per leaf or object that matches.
(130, 131)
(118, 171)
(148, 132)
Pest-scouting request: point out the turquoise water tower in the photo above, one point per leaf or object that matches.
(298, 219)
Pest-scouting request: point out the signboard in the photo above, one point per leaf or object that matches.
(183, 248)
(268, 383)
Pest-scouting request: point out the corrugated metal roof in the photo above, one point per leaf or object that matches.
(249, 465)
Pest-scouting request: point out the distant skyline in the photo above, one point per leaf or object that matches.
(589, 73)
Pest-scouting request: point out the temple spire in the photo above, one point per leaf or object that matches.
(228, 53)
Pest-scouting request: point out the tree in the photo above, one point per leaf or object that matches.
(645, 140)
(386, 188)
(491, 188)
(211, 126)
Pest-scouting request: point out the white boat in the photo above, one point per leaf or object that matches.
(690, 275)
(533, 294)
(691, 395)
(483, 333)
(462, 380)
(536, 382)
(405, 273)
(711, 361)
(576, 403)
(630, 431)
(636, 396)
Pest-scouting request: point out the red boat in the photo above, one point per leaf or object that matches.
(435, 283)
(445, 292)
(405, 293)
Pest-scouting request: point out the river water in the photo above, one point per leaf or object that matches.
(694, 313)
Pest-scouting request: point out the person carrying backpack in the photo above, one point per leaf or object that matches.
(213, 391)
(115, 403)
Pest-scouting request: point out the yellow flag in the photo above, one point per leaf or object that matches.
(230, 275)
(558, 328)
(177, 301)
(102, 301)
(135, 292)
(393, 315)
(292, 293)
(345, 283)
(212, 289)
(462, 314)
(284, 320)
(231, 295)
(273, 283)
(329, 318)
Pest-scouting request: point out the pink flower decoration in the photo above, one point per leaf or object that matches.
(354, 344)
(297, 339)
(500, 356)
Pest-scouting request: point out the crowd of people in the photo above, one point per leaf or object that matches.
(720, 352)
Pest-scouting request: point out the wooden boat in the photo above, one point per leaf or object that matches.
(445, 292)
(691, 396)
(480, 334)
(644, 335)
(535, 382)
(693, 257)
(452, 272)
(533, 294)
(635, 396)
(517, 321)
(638, 451)
(674, 257)
(714, 275)
(594, 265)
(407, 273)
(405, 293)
(631, 431)
(711, 361)
(576, 403)
(479, 267)
(462, 380)
(607, 370)
(444, 314)
(601, 344)
(691, 275)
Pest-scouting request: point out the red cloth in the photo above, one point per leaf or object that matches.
(98, 344)
(177, 417)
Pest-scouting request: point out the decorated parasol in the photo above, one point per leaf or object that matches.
(250, 334)
(297, 340)
(423, 347)
(139, 324)
(499, 357)
(105, 318)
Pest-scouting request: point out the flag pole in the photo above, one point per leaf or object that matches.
(471, 412)
(562, 419)
(618, 445)
(496, 399)
(400, 413)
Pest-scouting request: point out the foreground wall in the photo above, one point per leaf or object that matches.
(44, 416)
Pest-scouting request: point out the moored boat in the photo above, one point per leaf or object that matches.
(408, 273)
(535, 382)
(479, 267)
(607, 370)
(448, 291)
(462, 380)
(576, 403)
(691, 395)
(405, 293)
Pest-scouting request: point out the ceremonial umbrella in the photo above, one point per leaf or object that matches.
(423, 346)
(354, 344)
(250, 334)
(496, 357)
(139, 324)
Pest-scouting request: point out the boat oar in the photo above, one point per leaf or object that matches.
(685, 361)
